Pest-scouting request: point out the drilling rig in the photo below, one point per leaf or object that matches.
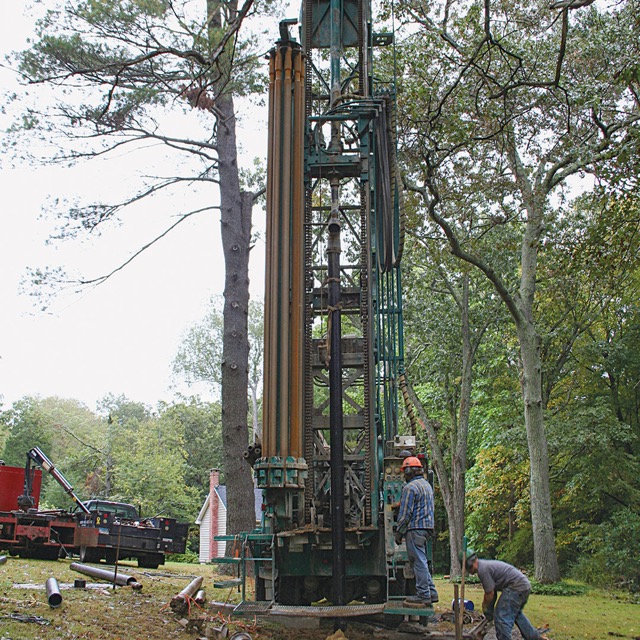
(330, 456)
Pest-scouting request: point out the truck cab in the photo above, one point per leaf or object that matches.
(116, 510)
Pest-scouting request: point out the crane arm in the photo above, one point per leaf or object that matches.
(37, 455)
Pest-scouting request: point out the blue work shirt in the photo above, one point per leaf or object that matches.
(416, 506)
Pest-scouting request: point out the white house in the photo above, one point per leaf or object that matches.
(213, 518)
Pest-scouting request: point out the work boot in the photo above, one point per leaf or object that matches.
(417, 601)
(434, 598)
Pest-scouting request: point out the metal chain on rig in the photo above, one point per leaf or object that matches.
(414, 420)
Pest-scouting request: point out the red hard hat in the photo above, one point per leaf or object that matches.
(411, 461)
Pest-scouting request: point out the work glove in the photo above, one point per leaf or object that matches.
(398, 539)
(488, 614)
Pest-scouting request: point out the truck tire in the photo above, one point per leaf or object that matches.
(89, 554)
(150, 561)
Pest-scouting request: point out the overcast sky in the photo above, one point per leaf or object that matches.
(121, 336)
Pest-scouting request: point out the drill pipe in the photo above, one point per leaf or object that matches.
(201, 597)
(3, 559)
(122, 580)
(284, 276)
(54, 598)
(180, 602)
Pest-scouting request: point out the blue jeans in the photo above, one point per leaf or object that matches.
(509, 611)
(416, 540)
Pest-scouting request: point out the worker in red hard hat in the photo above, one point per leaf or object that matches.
(415, 524)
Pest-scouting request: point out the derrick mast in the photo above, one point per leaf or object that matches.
(333, 313)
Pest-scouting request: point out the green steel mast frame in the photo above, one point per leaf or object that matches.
(333, 313)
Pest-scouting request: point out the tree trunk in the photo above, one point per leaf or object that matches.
(459, 454)
(545, 559)
(452, 483)
(544, 546)
(235, 222)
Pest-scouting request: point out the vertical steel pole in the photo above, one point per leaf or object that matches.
(335, 331)
(335, 405)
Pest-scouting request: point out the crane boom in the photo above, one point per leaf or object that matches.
(37, 455)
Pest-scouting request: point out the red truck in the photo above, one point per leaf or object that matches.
(96, 530)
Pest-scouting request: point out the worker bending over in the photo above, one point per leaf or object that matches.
(415, 522)
(515, 589)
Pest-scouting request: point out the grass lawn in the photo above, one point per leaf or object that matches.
(104, 614)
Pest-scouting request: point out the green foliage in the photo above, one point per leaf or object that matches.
(150, 465)
(609, 555)
(199, 357)
(187, 558)
(468, 579)
(202, 447)
(159, 463)
(498, 519)
(562, 588)
(28, 427)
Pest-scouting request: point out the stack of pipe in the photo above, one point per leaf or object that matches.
(285, 277)
(180, 602)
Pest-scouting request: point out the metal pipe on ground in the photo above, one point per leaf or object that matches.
(54, 597)
(201, 598)
(3, 559)
(122, 580)
(180, 602)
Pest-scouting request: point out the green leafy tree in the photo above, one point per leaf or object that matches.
(588, 321)
(60, 428)
(28, 427)
(120, 413)
(499, 520)
(200, 356)
(502, 104)
(150, 469)
(200, 422)
(447, 315)
(128, 74)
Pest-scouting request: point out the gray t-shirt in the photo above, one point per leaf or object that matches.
(496, 575)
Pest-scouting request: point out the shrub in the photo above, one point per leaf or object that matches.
(519, 550)
(609, 557)
(189, 557)
(557, 589)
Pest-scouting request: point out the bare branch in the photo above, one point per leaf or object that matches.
(101, 279)
(82, 442)
(432, 202)
(569, 4)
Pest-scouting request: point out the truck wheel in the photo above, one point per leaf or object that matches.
(89, 554)
(149, 562)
